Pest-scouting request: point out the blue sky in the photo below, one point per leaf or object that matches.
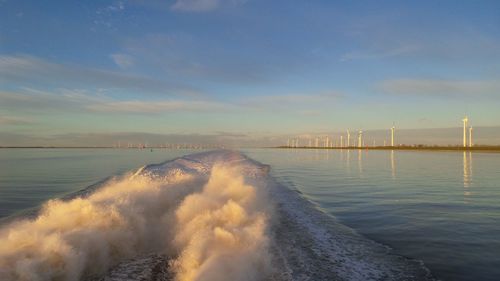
(253, 68)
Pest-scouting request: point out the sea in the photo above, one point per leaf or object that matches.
(440, 208)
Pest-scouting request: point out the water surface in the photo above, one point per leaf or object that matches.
(29, 177)
(440, 207)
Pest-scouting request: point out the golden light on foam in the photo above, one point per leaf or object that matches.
(70, 238)
(219, 228)
(228, 238)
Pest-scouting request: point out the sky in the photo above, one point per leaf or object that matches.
(253, 71)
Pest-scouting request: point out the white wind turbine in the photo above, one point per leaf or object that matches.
(360, 137)
(348, 138)
(470, 136)
(465, 121)
(393, 128)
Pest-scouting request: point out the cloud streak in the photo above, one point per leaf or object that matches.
(202, 5)
(122, 60)
(65, 100)
(381, 54)
(28, 70)
(14, 120)
(290, 99)
(135, 106)
(441, 88)
(71, 100)
(178, 55)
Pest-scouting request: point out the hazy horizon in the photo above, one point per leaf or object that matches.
(429, 136)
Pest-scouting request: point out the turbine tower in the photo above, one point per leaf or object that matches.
(393, 128)
(465, 120)
(348, 138)
(470, 136)
(360, 137)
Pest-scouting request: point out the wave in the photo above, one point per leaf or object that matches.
(208, 216)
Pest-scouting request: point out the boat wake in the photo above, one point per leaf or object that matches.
(208, 216)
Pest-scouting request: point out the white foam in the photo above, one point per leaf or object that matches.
(201, 213)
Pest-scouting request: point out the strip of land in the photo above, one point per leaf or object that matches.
(403, 147)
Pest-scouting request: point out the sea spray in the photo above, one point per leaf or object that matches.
(86, 236)
(213, 227)
(221, 231)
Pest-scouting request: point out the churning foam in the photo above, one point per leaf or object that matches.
(221, 231)
(212, 225)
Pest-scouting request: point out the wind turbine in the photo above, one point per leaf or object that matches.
(470, 136)
(360, 137)
(393, 128)
(348, 138)
(465, 120)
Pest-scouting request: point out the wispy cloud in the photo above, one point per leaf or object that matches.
(135, 106)
(442, 88)
(123, 60)
(14, 120)
(72, 100)
(107, 16)
(178, 55)
(202, 5)
(290, 99)
(380, 54)
(28, 71)
(391, 34)
(32, 100)
(67, 100)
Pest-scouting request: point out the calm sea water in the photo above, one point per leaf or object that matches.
(440, 207)
(28, 177)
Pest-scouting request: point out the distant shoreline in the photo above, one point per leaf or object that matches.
(55, 147)
(101, 147)
(483, 148)
(413, 148)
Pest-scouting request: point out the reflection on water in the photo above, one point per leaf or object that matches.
(467, 171)
(348, 161)
(360, 162)
(393, 166)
